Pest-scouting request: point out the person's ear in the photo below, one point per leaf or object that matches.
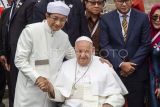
(93, 50)
(47, 15)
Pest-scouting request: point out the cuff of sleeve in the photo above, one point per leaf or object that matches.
(34, 76)
(58, 96)
(115, 100)
(120, 64)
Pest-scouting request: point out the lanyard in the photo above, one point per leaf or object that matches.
(95, 28)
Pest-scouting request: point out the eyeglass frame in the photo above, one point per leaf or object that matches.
(55, 19)
(155, 17)
(121, 2)
(92, 2)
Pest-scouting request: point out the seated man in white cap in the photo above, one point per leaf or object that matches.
(39, 55)
(85, 82)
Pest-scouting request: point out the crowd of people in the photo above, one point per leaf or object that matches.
(69, 54)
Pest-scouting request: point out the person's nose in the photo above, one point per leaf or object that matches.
(83, 54)
(124, 3)
(58, 22)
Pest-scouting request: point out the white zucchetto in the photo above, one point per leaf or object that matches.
(58, 7)
(84, 38)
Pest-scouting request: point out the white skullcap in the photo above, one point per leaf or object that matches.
(84, 38)
(58, 7)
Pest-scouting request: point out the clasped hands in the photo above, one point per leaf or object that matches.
(127, 68)
(43, 83)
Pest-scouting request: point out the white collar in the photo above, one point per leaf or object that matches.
(48, 29)
(128, 14)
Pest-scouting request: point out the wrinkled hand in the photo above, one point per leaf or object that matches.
(157, 92)
(51, 90)
(127, 68)
(3, 61)
(107, 105)
(42, 83)
(105, 61)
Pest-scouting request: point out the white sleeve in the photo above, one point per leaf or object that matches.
(58, 96)
(116, 100)
(70, 52)
(22, 56)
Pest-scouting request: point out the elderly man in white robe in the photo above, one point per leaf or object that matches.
(86, 82)
(40, 52)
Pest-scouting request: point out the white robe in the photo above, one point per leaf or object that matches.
(102, 80)
(37, 43)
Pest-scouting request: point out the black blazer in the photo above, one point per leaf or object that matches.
(76, 25)
(22, 15)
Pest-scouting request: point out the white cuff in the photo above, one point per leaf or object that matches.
(115, 100)
(120, 64)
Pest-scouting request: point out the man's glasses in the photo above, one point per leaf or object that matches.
(92, 2)
(156, 17)
(56, 19)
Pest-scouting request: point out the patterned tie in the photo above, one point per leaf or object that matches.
(125, 27)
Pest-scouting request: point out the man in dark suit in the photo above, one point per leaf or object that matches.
(76, 24)
(125, 41)
(13, 20)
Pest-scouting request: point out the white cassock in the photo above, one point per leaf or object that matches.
(95, 85)
(40, 52)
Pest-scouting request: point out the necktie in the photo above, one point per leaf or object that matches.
(125, 27)
(11, 13)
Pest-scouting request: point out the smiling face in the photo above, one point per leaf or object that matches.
(123, 6)
(56, 21)
(84, 51)
(156, 19)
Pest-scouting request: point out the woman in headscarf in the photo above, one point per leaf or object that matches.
(155, 56)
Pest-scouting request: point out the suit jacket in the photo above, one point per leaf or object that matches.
(3, 31)
(76, 25)
(12, 28)
(21, 17)
(135, 49)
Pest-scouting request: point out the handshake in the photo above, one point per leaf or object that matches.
(44, 84)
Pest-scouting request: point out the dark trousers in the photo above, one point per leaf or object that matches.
(137, 92)
(2, 83)
(13, 79)
(5, 78)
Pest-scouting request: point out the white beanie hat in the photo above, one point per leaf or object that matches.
(84, 38)
(58, 7)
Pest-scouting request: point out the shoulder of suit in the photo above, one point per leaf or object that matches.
(139, 12)
(109, 14)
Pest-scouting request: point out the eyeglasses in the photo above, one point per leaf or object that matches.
(156, 17)
(122, 1)
(56, 19)
(82, 51)
(92, 2)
